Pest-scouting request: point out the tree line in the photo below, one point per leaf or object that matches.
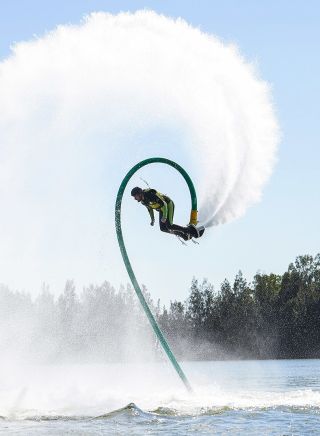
(273, 317)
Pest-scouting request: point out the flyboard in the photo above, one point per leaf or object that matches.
(197, 233)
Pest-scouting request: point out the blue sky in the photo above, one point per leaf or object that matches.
(283, 38)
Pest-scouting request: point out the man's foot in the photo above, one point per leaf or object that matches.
(186, 237)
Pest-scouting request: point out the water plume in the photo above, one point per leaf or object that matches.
(83, 103)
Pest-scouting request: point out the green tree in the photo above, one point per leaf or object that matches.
(266, 290)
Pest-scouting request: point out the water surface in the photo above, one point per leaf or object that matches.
(232, 397)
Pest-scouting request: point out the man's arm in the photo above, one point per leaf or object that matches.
(151, 213)
(156, 197)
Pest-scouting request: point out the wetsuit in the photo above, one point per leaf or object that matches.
(154, 200)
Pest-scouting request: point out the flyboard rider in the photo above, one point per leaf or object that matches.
(154, 200)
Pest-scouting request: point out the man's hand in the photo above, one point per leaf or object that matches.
(163, 220)
(152, 223)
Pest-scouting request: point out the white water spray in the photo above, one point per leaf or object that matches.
(84, 103)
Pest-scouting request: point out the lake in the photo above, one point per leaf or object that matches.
(232, 397)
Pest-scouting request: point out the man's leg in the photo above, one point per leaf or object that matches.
(168, 228)
(182, 232)
(163, 226)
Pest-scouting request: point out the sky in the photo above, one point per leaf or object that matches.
(282, 40)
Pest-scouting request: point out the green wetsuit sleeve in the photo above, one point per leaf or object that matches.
(151, 213)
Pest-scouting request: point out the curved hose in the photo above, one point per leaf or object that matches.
(193, 220)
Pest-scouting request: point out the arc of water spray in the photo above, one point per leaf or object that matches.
(193, 220)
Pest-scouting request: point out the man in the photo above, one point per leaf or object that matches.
(154, 200)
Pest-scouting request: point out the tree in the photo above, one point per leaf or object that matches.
(266, 290)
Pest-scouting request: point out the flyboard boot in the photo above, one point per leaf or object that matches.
(195, 232)
(191, 233)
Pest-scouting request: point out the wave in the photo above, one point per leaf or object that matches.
(151, 391)
(132, 412)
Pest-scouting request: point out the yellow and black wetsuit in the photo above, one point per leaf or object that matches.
(154, 200)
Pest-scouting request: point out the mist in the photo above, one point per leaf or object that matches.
(98, 325)
(82, 104)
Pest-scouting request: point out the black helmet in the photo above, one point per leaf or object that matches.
(136, 191)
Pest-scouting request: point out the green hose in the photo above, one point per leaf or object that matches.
(193, 220)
